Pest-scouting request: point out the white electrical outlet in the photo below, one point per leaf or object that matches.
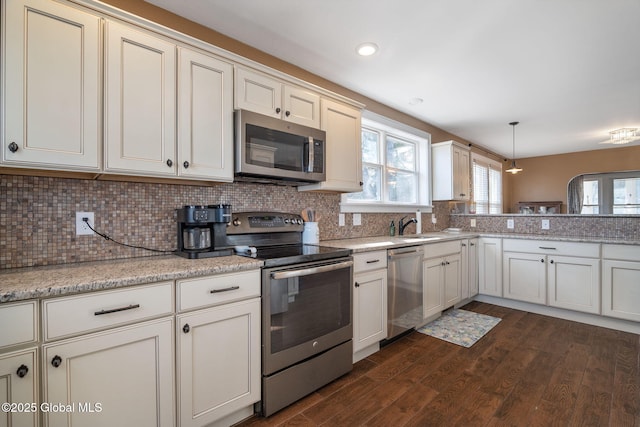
(341, 220)
(545, 224)
(357, 219)
(510, 224)
(82, 228)
(473, 223)
(433, 219)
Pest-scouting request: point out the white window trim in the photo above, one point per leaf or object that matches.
(494, 164)
(423, 140)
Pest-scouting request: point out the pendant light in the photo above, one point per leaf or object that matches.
(514, 169)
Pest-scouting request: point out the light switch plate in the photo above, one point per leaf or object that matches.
(510, 224)
(357, 219)
(473, 222)
(341, 220)
(545, 224)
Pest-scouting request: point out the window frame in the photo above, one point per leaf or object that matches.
(605, 190)
(403, 132)
(489, 164)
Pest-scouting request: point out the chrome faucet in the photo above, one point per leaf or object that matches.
(402, 225)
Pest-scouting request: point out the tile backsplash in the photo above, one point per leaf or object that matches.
(37, 216)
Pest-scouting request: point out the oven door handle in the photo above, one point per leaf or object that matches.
(287, 274)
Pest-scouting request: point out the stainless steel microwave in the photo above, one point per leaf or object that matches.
(268, 148)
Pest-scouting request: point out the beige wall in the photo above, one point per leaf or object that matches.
(545, 178)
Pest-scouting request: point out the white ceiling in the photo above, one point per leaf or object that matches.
(567, 70)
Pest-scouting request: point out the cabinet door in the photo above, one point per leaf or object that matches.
(369, 308)
(140, 118)
(432, 273)
(461, 173)
(205, 117)
(452, 283)
(490, 266)
(127, 371)
(52, 91)
(19, 384)
(342, 125)
(525, 277)
(258, 93)
(472, 267)
(218, 361)
(301, 106)
(621, 289)
(574, 283)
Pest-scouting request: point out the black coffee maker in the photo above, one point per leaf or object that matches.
(202, 231)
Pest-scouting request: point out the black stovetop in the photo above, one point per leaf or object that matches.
(275, 256)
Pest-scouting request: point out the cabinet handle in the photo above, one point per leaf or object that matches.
(547, 247)
(56, 361)
(186, 328)
(278, 110)
(447, 262)
(472, 244)
(443, 263)
(373, 261)
(22, 371)
(287, 113)
(361, 183)
(542, 260)
(230, 288)
(169, 162)
(464, 245)
(551, 261)
(357, 285)
(115, 310)
(186, 164)
(13, 147)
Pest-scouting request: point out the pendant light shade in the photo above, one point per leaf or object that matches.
(514, 169)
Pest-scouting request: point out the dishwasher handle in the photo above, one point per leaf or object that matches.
(404, 252)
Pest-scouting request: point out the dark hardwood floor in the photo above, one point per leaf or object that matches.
(530, 370)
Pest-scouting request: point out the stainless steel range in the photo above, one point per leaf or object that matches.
(306, 306)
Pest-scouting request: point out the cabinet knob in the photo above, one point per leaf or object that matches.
(361, 183)
(542, 260)
(278, 110)
(357, 285)
(551, 261)
(186, 328)
(22, 371)
(186, 164)
(169, 162)
(13, 147)
(287, 113)
(56, 361)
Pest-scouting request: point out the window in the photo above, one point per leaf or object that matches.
(616, 193)
(487, 185)
(394, 168)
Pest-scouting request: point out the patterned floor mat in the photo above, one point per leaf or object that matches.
(460, 327)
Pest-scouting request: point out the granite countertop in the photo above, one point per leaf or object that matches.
(39, 282)
(367, 244)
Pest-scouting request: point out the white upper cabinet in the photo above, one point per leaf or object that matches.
(266, 95)
(205, 116)
(140, 107)
(52, 86)
(451, 171)
(342, 124)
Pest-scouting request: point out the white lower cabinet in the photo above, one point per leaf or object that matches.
(621, 282)
(524, 277)
(369, 302)
(574, 283)
(441, 272)
(218, 348)
(119, 377)
(469, 263)
(19, 388)
(490, 266)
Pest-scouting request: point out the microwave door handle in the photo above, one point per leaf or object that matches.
(278, 275)
(310, 155)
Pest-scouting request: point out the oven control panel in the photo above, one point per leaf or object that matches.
(260, 222)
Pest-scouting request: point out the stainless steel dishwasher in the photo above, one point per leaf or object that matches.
(404, 283)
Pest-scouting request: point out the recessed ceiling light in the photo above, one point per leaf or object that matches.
(367, 49)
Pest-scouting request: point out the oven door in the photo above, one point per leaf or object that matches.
(306, 311)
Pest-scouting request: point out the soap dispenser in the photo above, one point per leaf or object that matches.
(392, 229)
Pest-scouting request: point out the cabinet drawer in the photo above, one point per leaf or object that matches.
(369, 261)
(219, 289)
(588, 250)
(441, 249)
(19, 322)
(101, 310)
(621, 252)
